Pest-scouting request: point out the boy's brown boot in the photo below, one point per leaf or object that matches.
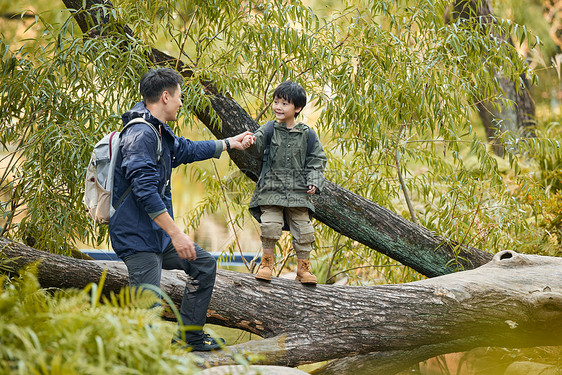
(266, 267)
(304, 274)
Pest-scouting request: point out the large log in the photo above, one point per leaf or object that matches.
(347, 213)
(513, 301)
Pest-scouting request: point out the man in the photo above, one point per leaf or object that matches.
(142, 229)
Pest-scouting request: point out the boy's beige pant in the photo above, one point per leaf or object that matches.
(299, 224)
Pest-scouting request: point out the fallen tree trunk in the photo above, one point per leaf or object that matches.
(347, 213)
(513, 301)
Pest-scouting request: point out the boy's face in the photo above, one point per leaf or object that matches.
(284, 110)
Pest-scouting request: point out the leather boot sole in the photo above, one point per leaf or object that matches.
(304, 281)
(264, 278)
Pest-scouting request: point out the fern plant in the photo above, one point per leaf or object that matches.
(78, 332)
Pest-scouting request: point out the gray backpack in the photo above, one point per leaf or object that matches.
(98, 189)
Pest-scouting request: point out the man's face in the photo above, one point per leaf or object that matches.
(173, 103)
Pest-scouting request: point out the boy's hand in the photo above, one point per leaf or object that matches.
(248, 140)
(311, 189)
(242, 141)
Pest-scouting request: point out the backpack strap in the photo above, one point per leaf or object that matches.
(111, 143)
(267, 135)
(311, 140)
(140, 120)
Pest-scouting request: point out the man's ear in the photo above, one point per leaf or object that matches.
(165, 96)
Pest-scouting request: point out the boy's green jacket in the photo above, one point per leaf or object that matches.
(288, 170)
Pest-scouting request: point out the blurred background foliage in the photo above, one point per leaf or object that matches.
(389, 83)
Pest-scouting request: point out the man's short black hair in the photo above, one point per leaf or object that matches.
(291, 92)
(154, 82)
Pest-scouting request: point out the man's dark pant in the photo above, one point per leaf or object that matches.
(146, 268)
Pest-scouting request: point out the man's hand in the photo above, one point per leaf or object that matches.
(182, 242)
(311, 189)
(242, 141)
(184, 246)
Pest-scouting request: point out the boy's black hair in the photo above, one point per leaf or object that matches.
(291, 92)
(154, 82)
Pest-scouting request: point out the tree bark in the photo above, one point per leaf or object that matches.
(340, 209)
(553, 16)
(513, 301)
(496, 116)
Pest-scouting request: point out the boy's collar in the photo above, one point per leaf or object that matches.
(299, 126)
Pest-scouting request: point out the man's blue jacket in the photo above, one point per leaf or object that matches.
(132, 228)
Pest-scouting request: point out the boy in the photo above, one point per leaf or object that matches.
(291, 172)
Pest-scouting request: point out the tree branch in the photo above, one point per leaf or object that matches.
(340, 209)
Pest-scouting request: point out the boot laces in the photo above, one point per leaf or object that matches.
(266, 262)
